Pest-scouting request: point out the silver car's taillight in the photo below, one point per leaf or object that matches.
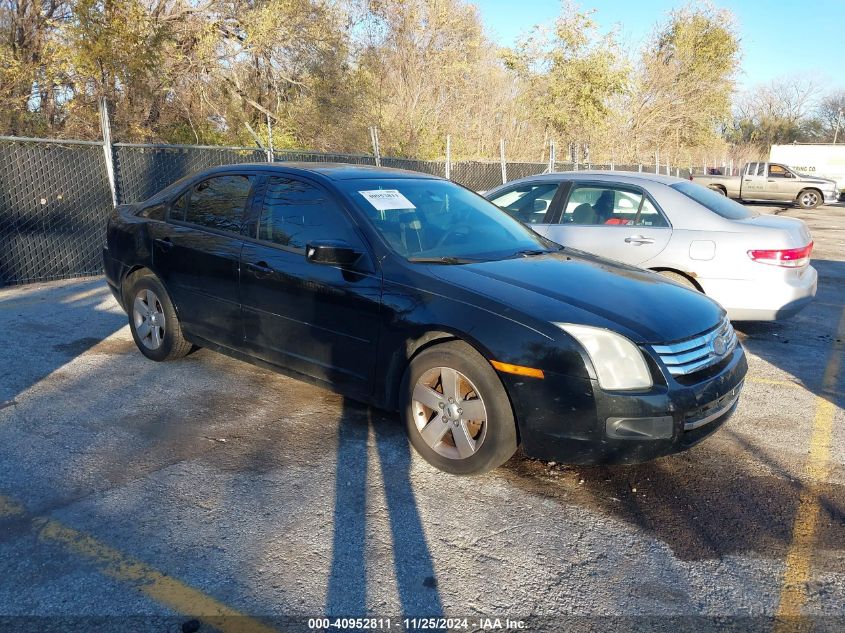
(789, 258)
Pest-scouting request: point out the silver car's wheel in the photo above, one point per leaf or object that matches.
(809, 199)
(449, 413)
(148, 315)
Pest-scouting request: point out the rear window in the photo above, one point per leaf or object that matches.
(716, 202)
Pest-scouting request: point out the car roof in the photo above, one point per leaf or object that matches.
(329, 171)
(633, 177)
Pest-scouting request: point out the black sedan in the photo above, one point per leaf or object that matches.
(412, 293)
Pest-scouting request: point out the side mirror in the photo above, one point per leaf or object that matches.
(332, 253)
(789, 174)
(540, 206)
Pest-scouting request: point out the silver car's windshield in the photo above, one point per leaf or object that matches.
(716, 202)
(428, 219)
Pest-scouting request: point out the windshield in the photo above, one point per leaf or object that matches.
(716, 202)
(436, 219)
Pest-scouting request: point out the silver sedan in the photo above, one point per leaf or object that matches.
(757, 266)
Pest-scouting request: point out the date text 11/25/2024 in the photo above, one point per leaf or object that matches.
(416, 624)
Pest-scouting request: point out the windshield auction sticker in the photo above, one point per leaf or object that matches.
(387, 199)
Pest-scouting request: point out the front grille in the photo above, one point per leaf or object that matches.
(697, 353)
(712, 410)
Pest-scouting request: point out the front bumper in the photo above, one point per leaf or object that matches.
(571, 420)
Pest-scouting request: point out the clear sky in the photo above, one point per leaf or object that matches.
(784, 37)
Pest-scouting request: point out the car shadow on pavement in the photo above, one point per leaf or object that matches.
(413, 565)
(737, 492)
(36, 341)
(801, 345)
(710, 502)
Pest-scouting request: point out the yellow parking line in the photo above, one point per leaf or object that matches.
(793, 593)
(161, 588)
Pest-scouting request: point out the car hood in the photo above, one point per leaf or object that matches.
(815, 180)
(579, 288)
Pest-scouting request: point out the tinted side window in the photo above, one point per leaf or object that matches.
(295, 213)
(219, 203)
(527, 203)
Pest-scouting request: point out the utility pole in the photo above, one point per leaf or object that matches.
(270, 155)
(105, 126)
(838, 122)
(502, 159)
(448, 157)
(376, 148)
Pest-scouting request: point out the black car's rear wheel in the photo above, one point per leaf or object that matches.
(457, 414)
(153, 321)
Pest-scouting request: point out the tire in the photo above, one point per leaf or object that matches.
(153, 321)
(678, 278)
(809, 199)
(456, 443)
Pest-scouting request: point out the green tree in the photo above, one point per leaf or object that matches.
(571, 75)
(685, 79)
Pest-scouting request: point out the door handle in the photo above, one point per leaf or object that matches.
(639, 240)
(770, 180)
(164, 243)
(748, 180)
(260, 269)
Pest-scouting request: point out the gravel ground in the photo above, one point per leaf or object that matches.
(136, 495)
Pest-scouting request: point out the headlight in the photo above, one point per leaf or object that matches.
(619, 364)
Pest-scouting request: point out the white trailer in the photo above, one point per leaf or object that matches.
(823, 160)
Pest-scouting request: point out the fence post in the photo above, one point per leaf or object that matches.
(107, 148)
(502, 159)
(552, 155)
(374, 139)
(270, 155)
(640, 167)
(448, 157)
(657, 161)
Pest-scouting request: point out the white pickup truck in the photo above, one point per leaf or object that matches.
(773, 181)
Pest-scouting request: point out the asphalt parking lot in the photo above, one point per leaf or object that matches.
(210, 493)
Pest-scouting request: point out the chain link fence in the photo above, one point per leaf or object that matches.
(55, 196)
(54, 200)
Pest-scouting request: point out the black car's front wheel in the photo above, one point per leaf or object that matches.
(153, 321)
(457, 414)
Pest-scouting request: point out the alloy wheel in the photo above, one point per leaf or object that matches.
(148, 317)
(449, 413)
(809, 199)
